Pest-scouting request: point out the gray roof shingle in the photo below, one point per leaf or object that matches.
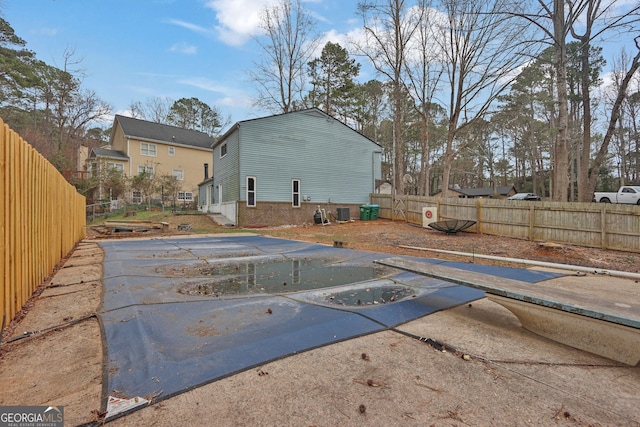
(164, 133)
(105, 152)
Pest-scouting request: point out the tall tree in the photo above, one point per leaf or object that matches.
(155, 109)
(332, 77)
(482, 48)
(527, 115)
(623, 78)
(389, 26)
(70, 109)
(287, 47)
(598, 18)
(368, 109)
(191, 113)
(16, 66)
(424, 71)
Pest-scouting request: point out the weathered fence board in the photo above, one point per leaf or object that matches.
(585, 224)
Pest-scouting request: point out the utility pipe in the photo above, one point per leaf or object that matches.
(612, 273)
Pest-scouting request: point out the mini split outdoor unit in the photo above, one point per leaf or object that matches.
(429, 215)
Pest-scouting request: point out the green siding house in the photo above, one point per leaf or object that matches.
(279, 169)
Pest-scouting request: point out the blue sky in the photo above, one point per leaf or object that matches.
(133, 50)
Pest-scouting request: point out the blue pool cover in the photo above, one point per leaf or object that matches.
(164, 336)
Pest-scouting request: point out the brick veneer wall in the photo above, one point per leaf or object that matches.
(281, 213)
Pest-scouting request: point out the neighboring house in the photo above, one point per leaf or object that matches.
(139, 145)
(99, 162)
(277, 170)
(472, 193)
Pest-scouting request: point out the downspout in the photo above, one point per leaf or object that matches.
(129, 154)
(130, 176)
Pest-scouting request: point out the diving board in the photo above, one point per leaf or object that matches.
(600, 319)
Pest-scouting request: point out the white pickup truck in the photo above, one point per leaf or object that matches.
(628, 194)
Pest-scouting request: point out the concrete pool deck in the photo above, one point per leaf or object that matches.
(494, 372)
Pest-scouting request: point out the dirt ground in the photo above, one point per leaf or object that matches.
(390, 237)
(61, 364)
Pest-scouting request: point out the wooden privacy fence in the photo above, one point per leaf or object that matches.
(598, 225)
(42, 217)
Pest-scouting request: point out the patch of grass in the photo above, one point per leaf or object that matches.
(140, 215)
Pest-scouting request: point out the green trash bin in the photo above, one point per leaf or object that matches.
(365, 212)
(374, 211)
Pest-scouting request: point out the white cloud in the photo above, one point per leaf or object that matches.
(244, 101)
(205, 84)
(238, 20)
(184, 48)
(227, 91)
(230, 97)
(192, 27)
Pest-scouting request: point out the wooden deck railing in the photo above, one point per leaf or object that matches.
(42, 217)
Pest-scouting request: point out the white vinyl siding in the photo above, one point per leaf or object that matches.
(335, 162)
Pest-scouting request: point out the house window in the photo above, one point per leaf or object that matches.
(147, 169)
(118, 168)
(295, 193)
(147, 149)
(185, 196)
(223, 150)
(172, 151)
(136, 197)
(251, 191)
(179, 174)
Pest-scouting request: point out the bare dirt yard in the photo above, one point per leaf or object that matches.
(62, 363)
(392, 237)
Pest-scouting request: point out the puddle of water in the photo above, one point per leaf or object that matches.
(279, 277)
(371, 296)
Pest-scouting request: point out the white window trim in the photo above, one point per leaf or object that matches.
(143, 168)
(255, 192)
(225, 150)
(148, 145)
(116, 166)
(180, 175)
(172, 151)
(136, 197)
(187, 196)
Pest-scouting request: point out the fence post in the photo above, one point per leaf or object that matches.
(479, 215)
(532, 209)
(603, 226)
